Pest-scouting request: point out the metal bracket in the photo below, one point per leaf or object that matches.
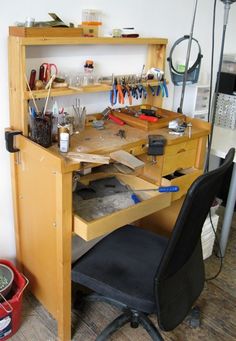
(9, 137)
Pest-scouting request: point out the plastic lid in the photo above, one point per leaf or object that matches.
(89, 62)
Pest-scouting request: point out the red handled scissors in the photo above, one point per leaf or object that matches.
(46, 71)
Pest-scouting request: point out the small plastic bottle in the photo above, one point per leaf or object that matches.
(88, 73)
(64, 142)
(88, 67)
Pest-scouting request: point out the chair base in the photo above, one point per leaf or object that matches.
(132, 316)
(194, 317)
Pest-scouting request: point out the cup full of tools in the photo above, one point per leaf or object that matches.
(41, 128)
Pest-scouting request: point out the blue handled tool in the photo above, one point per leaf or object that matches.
(135, 198)
(113, 92)
(165, 88)
(152, 89)
(160, 189)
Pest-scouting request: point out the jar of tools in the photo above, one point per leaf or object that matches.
(41, 129)
(79, 117)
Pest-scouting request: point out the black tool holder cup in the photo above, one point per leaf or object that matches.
(41, 129)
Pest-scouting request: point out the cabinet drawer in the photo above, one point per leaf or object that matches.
(184, 179)
(179, 156)
(202, 105)
(152, 201)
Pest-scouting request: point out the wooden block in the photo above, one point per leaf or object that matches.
(126, 159)
(91, 158)
(90, 30)
(45, 31)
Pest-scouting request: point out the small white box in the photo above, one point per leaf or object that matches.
(196, 100)
(208, 236)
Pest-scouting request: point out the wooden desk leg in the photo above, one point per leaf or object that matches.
(64, 235)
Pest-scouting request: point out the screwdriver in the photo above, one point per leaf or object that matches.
(160, 189)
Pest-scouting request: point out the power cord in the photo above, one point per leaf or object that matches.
(218, 246)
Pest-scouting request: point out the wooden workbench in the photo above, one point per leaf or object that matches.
(44, 219)
(42, 178)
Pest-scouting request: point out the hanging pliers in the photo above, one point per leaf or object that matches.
(113, 91)
(120, 93)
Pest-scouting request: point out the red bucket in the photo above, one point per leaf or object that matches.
(11, 306)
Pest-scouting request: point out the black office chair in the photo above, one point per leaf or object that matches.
(144, 273)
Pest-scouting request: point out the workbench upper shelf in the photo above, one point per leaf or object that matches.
(19, 44)
(34, 41)
(75, 91)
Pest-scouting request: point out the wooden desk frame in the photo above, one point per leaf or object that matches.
(42, 185)
(42, 180)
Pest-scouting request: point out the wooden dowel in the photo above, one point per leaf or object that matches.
(49, 86)
(32, 95)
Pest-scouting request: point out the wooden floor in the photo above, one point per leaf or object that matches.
(217, 303)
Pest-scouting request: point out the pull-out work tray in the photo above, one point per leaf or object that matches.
(151, 201)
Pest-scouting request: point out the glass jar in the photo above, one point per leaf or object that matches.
(91, 17)
(88, 78)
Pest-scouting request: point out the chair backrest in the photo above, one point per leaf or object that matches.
(180, 277)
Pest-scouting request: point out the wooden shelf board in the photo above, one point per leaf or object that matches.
(91, 41)
(73, 90)
(66, 91)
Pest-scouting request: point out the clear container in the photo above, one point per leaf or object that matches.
(88, 78)
(91, 17)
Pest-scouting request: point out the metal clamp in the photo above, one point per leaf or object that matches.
(9, 137)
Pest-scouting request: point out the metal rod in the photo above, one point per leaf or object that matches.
(180, 109)
(214, 101)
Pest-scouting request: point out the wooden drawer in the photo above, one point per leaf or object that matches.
(151, 202)
(179, 156)
(184, 181)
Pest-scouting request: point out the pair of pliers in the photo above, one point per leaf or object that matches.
(120, 93)
(113, 93)
(127, 88)
(152, 89)
(160, 90)
(142, 91)
(135, 91)
(162, 86)
(165, 88)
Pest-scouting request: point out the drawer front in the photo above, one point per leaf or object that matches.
(151, 202)
(179, 156)
(201, 105)
(176, 148)
(184, 182)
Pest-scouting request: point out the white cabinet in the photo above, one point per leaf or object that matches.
(196, 99)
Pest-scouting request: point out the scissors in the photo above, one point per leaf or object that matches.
(46, 71)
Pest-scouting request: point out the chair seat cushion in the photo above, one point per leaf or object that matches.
(122, 266)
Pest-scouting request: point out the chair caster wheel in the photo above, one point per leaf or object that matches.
(193, 319)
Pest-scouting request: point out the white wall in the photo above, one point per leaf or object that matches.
(152, 18)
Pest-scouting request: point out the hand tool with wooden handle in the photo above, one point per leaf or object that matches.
(107, 113)
(115, 119)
